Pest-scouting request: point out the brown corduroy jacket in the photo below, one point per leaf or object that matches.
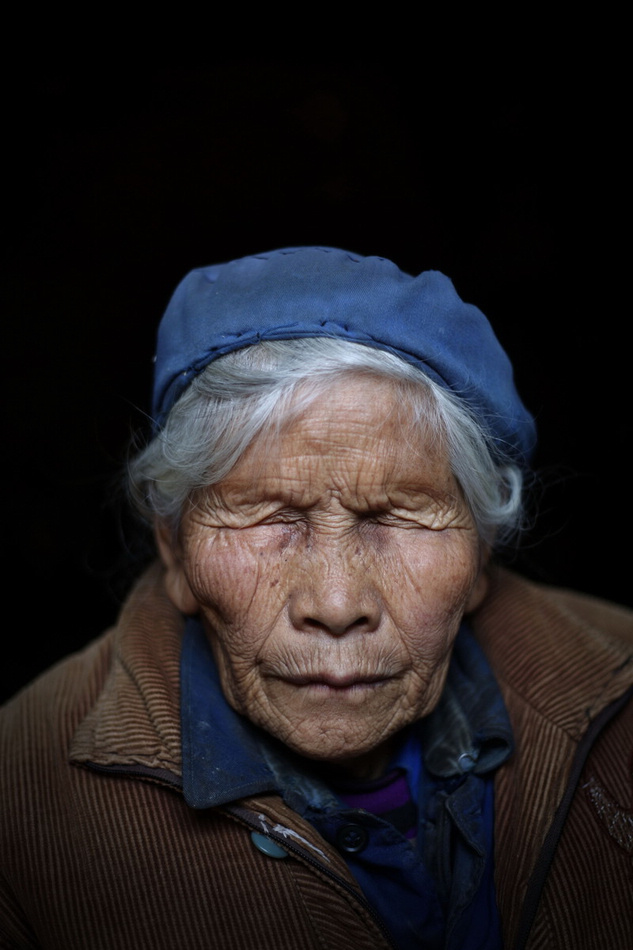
(99, 849)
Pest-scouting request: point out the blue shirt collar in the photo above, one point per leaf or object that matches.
(226, 757)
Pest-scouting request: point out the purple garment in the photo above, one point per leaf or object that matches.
(388, 797)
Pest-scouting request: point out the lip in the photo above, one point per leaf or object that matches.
(335, 681)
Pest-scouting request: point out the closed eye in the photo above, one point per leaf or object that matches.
(430, 519)
(393, 519)
(283, 516)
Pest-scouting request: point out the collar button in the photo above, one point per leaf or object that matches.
(352, 838)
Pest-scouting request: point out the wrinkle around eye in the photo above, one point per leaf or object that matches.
(244, 517)
(284, 516)
(424, 521)
(406, 524)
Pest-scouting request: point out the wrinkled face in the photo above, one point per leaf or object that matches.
(331, 569)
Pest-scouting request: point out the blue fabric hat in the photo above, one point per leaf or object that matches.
(324, 291)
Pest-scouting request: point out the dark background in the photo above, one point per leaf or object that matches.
(117, 182)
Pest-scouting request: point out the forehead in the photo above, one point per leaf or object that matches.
(360, 434)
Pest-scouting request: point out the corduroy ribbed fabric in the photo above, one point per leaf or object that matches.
(99, 849)
(560, 658)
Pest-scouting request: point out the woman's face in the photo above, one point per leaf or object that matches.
(331, 569)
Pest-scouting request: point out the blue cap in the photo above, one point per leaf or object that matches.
(323, 291)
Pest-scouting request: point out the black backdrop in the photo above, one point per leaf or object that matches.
(117, 183)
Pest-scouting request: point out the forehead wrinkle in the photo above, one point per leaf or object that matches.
(347, 448)
(347, 487)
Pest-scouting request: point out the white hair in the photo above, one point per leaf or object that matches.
(253, 390)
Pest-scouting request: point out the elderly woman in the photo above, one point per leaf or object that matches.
(326, 718)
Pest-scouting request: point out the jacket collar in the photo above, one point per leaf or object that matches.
(135, 721)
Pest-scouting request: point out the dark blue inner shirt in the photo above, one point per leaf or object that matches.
(437, 892)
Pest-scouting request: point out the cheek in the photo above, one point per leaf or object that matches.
(433, 574)
(225, 571)
(427, 607)
(430, 589)
(239, 587)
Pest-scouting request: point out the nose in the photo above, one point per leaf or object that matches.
(335, 595)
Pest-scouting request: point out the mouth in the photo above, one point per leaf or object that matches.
(336, 681)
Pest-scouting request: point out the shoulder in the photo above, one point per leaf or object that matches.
(45, 714)
(36, 729)
(564, 664)
(95, 686)
(544, 641)
(611, 620)
(65, 829)
(529, 603)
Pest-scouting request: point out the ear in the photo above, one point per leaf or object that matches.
(176, 582)
(481, 585)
